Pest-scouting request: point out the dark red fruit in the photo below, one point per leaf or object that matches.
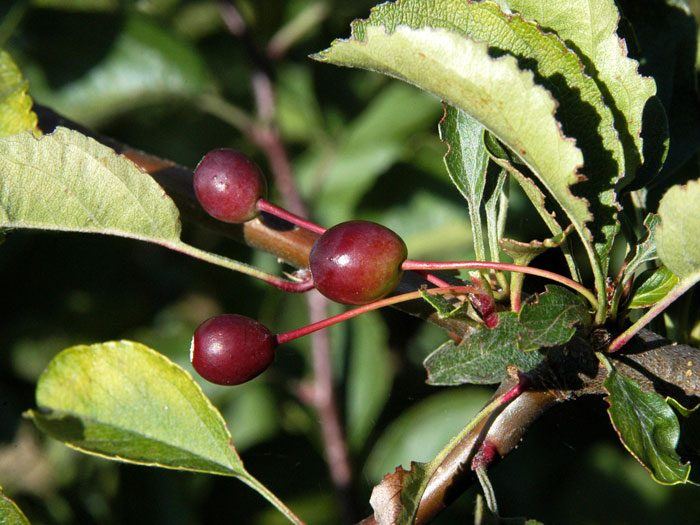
(231, 349)
(228, 185)
(357, 262)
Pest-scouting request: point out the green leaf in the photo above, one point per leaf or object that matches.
(125, 402)
(445, 308)
(69, 182)
(369, 379)
(421, 431)
(432, 226)
(78, 5)
(336, 175)
(683, 411)
(16, 113)
(645, 251)
(590, 28)
(666, 40)
(504, 159)
(524, 252)
(496, 214)
(678, 242)
(414, 41)
(647, 427)
(10, 513)
(466, 160)
(146, 65)
(550, 319)
(482, 357)
(66, 181)
(653, 286)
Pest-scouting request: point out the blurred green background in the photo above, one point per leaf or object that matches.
(156, 74)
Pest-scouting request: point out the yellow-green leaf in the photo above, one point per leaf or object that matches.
(16, 113)
(590, 27)
(678, 242)
(654, 285)
(452, 57)
(124, 401)
(69, 182)
(10, 513)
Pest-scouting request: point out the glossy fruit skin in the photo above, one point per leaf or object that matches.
(228, 185)
(357, 262)
(232, 349)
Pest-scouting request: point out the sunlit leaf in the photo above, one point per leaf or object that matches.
(10, 513)
(590, 28)
(126, 402)
(678, 242)
(524, 252)
(66, 181)
(16, 113)
(69, 182)
(648, 428)
(666, 40)
(654, 286)
(407, 40)
(497, 213)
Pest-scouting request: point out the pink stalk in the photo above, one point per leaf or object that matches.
(290, 217)
(434, 279)
(483, 265)
(313, 327)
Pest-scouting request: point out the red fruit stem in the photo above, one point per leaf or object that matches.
(313, 327)
(434, 279)
(268, 207)
(483, 265)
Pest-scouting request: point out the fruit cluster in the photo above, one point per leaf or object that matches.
(356, 263)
